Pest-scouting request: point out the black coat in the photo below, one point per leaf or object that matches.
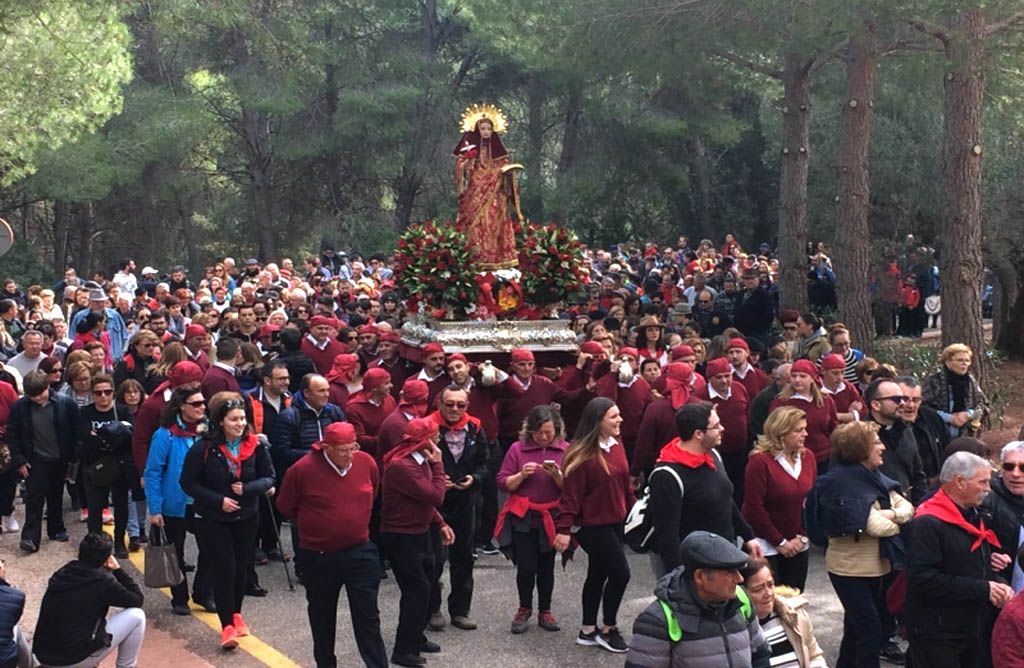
(754, 313)
(1003, 512)
(932, 436)
(947, 583)
(902, 462)
(12, 604)
(206, 476)
(73, 615)
(474, 461)
(19, 429)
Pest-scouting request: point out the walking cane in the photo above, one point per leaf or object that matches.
(280, 547)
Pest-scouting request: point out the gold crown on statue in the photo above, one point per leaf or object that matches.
(473, 115)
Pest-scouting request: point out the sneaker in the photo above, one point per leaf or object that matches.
(84, 516)
(892, 653)
(587, 639)
(488, 549)
(546, 621)
(10, 524)
(241, 628)
(612, 641)
(519, 624)
(437, 622)
(108, 516)
(464, 623)
(228, 637)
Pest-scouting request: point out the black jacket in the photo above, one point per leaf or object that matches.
(89, 447)
(947, 583)
(73, 615)
(754, 313)
(297, 428)
(206, 476)
(474, 461)
(12, 604)
(19, 429)
(1003, 512)
(932, 436)
(298, 364)
(901, 460)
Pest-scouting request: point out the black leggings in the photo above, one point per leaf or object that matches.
(228, 546)
(607, 572)
(791, 571)
(533, 566)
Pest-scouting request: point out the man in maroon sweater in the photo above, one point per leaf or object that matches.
(412, 490)
(412, 404)
(319, 346)
(197, 343)
(367, 408)
(432, 372)
(330, 491)
(389, 360)
(732, 405)
(221, 376)
(658, 426)
(368, 343)
(147, 420)
(752, 378)
(849, 406)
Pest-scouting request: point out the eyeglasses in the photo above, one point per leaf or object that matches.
(57, 369)
(343, 451)
(896, 399)
(354, 337)
(195, 404)
(103, 393)
(714, 427)
(1009, 466)
(455, 404)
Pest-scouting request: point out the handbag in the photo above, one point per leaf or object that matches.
(104, 472)
(161, 560)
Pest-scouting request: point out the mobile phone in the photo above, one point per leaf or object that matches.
(549, 461)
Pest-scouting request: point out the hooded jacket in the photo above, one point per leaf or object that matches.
(722, 635)
(73, 615)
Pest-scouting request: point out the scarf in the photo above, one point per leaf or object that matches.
(184, 429)
(458, 426)
(671, 454)
(343, 369)
(959, 389)
(677, 383)
(416, 437)
(238, 451)
(942, 507)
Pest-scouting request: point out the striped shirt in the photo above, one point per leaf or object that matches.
(783, 654)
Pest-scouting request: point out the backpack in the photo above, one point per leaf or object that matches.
(675, 632)
(638, 527)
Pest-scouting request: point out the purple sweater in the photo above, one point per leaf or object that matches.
(539, 487)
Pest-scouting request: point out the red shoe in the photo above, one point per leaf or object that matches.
(228, 638)
(241, 628)
(547, 621)
(108, 517)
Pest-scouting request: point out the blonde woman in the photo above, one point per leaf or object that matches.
(955, 394)
(157, 373)
(779, 474)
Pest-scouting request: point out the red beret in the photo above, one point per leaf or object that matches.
(375, 377)
(833, 361)
(629, 352)
(457, 357)
(339, 433)
(194, 330)
(269, 329)
(184, 372)
(415, 390)
(432, 348)
(522, 355)
(804, 366)
(592, 348)
(679, 352)
(717, 366)
(738, 343)
(389, 337)
(368, 329)
(319, 320)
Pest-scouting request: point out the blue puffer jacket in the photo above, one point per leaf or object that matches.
(12, 604)
(163, 470)
(297, 429)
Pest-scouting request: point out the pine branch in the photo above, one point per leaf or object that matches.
(934, 29)
(1015, 21)
(750, 64)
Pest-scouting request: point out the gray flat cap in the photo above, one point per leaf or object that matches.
(703, 549)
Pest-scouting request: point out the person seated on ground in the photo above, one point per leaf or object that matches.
(15, 651)
(73, 629)
(782, 614)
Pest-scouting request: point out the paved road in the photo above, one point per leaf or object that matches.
(282, 634)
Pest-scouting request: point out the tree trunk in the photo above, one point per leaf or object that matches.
(961, 261)
(796, 149)
(84, 220)
(188, 232)
(1011, 331)
(571, 131)
(256, 126)
(701, 183)
(853, 246)
(533, 192)
(61, 231)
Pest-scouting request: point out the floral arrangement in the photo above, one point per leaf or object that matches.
(436, 269)
(551, 262)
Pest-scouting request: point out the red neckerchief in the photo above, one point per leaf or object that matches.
(458, 426)
(188, 432)
(670, 454)
(245, 450)
(942, 507)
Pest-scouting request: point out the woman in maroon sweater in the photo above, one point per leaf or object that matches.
(412, 490)
(596, 494)
(803, 393)
(779, 475)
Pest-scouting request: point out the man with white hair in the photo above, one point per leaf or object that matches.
(950, 580)
(1004, 505)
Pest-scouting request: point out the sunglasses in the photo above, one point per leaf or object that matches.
(103, 393)
(232, 404)
(351, 338)
(455, 404)
(896, 399)
(1009, 466)
(57, 369)
(196, 404)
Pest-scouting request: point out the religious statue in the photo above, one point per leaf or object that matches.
(485, 182)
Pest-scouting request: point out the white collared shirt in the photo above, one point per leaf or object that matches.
(419, 458)
(424, 376)
(743, 375)
(318, 346)
(342, 472)
(714, 394)
(792, 469)
(842, 386)
(802, 398)
(525, 385)
(227, 367)
(607, 443)
(630, 383)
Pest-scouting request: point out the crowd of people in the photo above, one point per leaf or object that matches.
(267, 397)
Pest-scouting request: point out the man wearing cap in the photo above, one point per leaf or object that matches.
(389, 359)
(631, 393)
(330, 492)
(750, 377)
(150, 277)
(368, 408)
(755, 311)
(197, 344)
(680, 314)
(732, 404)
(432, 372)
(702, 617)
(116, 329)
(412, 404)
(319, 345)
(846, 397)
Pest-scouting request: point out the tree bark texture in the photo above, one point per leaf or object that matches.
(701, 182)
(533, 193)
(61, 232)
(853, 245)
(796, 149)
(961, 262)
(571, 131)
